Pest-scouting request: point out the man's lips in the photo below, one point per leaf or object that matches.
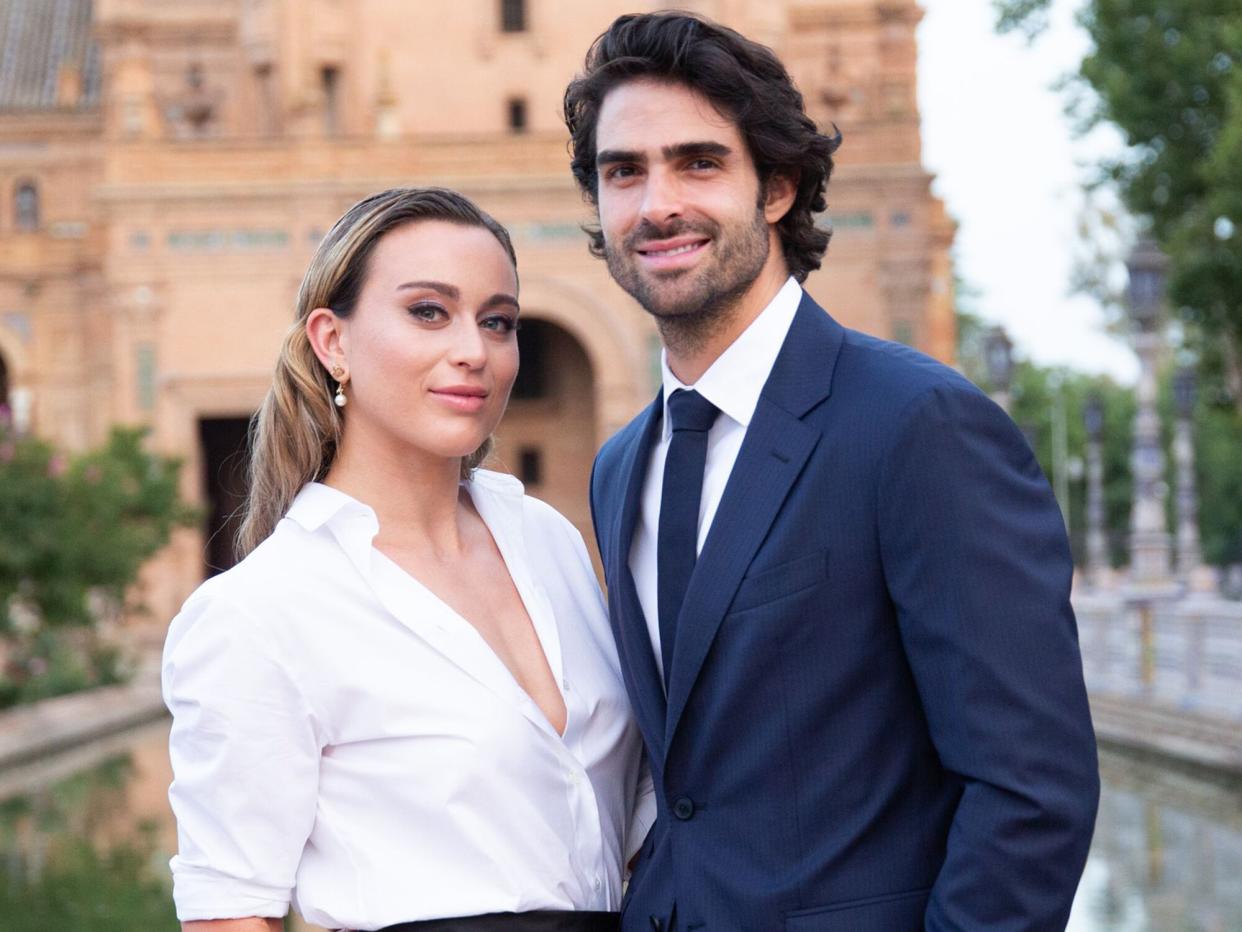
(672, 255)
(682, 245)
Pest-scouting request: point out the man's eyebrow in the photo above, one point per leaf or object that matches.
(683, 150)
(680, 150)
(613, 156)
(449, 291)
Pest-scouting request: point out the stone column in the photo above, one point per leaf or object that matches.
(1191, 572)
(1149, 537)
(1097, 541)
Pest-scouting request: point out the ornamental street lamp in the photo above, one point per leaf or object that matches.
(1190, 570)
(1149, 537)
(1097, 542)
(998, 357)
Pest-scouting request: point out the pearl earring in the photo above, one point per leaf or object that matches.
(339, 398)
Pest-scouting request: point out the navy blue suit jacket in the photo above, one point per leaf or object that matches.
(876, 717)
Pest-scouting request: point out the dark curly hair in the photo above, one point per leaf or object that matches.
(743, 80)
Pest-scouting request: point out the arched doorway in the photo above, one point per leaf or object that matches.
(225, 461)
(547, 438)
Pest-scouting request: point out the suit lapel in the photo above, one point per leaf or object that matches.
(777, 445)
(629, 626)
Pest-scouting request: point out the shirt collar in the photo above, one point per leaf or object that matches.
(735, 380)
(498, 498)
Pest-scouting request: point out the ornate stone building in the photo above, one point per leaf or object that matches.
(167, 167)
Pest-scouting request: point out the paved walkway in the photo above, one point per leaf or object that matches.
(1201, 739)
(53, 725)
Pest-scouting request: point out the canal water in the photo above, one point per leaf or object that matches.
(85, 840)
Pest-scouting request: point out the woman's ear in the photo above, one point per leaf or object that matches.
(780, 192)
(326, 333)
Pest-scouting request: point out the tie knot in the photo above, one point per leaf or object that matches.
(688, 410)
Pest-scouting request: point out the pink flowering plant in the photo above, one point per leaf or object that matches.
(74, 533)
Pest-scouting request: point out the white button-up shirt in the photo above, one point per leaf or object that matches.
(733, 384)
(342, 739)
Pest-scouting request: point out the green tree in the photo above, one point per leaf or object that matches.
(73, 535)
(1168, 76)
(1046, 400)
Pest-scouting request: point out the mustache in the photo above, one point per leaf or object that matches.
(646, 232)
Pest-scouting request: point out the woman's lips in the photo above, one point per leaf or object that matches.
(465, 400)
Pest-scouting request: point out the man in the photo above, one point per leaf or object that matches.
(838, 580)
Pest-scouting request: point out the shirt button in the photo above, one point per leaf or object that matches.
(598, 883)
(565, 685)
(683, 807)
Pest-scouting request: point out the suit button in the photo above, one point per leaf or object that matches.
(683, 807)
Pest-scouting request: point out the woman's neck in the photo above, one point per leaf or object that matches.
(415, 495)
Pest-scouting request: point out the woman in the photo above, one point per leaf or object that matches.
(403, 708)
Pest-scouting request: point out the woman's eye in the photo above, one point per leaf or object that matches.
(428, 312)
(500, 323)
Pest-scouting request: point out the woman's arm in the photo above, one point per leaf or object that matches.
(234, 925)
(245, 758)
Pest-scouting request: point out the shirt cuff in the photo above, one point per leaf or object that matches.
(206, 894)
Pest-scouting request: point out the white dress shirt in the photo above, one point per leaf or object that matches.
(733, 384)
(344, 741)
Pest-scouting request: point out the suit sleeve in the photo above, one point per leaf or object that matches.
(978, 567)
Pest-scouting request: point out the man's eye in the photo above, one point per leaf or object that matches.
(618, 172)
(703, 164)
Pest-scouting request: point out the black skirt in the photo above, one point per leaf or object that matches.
(546, 920)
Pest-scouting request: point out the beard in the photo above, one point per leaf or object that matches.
(691, 304)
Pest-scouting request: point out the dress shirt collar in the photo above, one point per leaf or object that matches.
(735, 380)
(498, 498)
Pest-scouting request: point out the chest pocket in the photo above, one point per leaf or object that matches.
(780, 581)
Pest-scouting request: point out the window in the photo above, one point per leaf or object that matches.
(329, 79)
(517, 115)
(26, 206)
(512, 15)
(266, 86)
(530, 466)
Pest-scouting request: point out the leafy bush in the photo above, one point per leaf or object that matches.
(74, 534)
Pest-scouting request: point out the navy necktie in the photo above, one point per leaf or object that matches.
(691, 416)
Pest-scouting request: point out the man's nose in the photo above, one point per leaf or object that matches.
(662, 197)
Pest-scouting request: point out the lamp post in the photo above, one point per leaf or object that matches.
(998, 356)
(1097, 542)
(1190, 569)
(1149, 537)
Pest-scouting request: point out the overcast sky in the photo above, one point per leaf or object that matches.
(1009, 168)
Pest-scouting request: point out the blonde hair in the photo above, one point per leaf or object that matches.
(295, 434)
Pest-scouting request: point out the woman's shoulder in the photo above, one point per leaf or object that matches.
(270, 582)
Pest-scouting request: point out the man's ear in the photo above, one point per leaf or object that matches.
(779, 195)
(326, 333)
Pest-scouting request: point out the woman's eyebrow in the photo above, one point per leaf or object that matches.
(449, 291)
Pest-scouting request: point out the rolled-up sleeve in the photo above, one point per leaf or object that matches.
(245, 755)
